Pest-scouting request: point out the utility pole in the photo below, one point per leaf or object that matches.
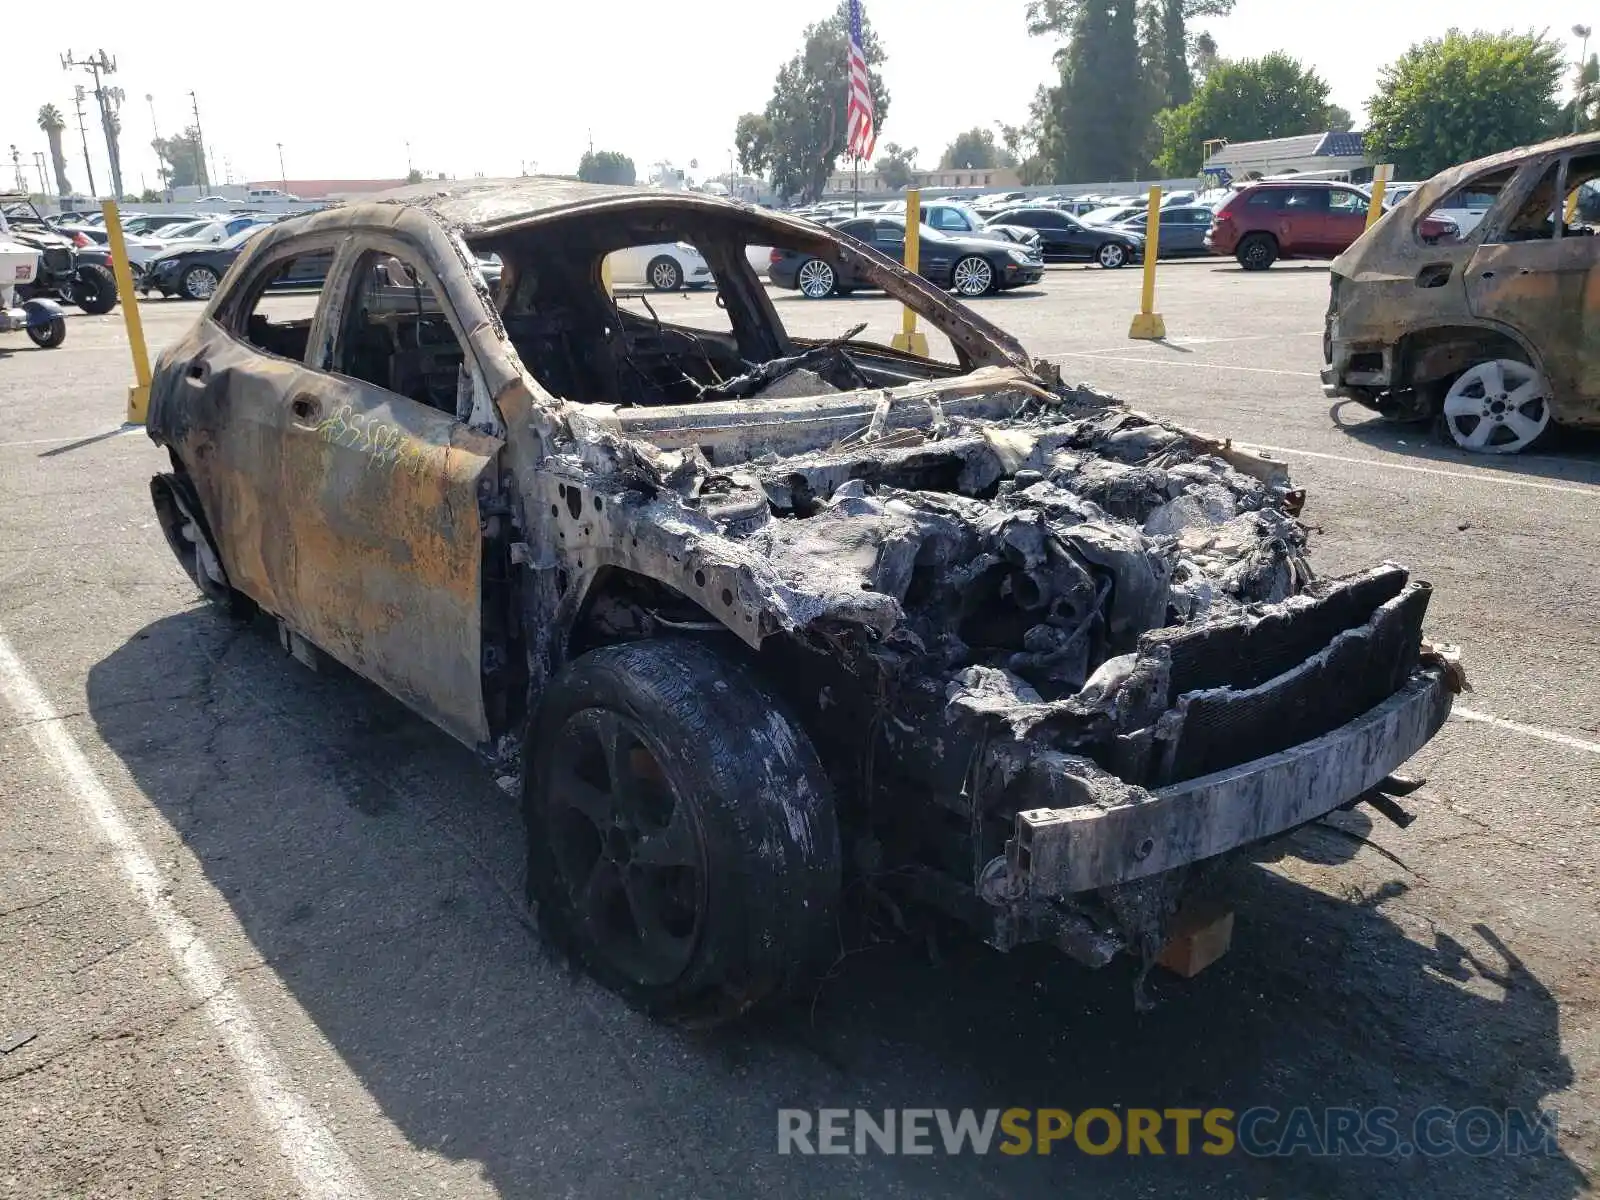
(199, 147)
(1580, 31)
(283, 175)
(16, 169)
(83, 134)
(38, 165)
(109, 99)
(155, 134)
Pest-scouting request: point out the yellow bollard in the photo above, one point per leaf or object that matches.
(1147, 322)
(1380, 180)
(911, 339)
(139, 393)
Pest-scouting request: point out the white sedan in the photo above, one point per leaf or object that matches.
(666, 267)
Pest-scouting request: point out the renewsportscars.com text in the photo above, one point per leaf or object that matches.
(1258, 1132)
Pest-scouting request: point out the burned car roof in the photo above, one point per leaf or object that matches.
(480, 207)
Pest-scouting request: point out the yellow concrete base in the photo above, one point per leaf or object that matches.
(914, 342)
(1148, 326)
(138, 404)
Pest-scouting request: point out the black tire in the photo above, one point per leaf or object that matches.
(724, 791)
(1257, 252)
(199, 282)
(183, 522)
(664, 274)
(94, 289)
(1111, 256)
(49, 336)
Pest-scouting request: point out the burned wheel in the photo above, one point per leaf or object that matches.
(1497, 407)
(682, 843)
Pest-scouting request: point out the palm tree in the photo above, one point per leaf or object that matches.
(50, 121)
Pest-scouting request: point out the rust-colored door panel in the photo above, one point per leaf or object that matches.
(230, 417)
(384, 543)
(1549, 291)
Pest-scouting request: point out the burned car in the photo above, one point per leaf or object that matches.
(1486, 330)
(743, 613)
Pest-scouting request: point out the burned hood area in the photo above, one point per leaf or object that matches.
(1000, 593)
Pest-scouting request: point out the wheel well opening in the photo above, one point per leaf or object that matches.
(1432, 355)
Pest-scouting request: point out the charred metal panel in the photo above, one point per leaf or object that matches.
(384, 545)
(1067, 851)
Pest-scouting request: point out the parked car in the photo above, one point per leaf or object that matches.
(675, 585)
(152, 225)
(209, 231)
(967, 264)
(268, 195)
(1064, 238)
(668, 267)
(1267, 221)
(193, 271)
(1183, 229)
(1489, 331)
(1113, 214)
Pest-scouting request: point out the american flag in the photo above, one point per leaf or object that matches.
(860, 135)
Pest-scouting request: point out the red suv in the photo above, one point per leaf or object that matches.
(1307, 219)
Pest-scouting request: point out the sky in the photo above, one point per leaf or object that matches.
(477, 87)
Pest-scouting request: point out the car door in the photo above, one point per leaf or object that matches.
(863, 229)
(1346, 220)
(889, 239)
(1534, 274)
(1302, 221)
(380, 475)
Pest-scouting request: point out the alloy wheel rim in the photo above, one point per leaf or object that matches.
(202, 283)
(1497, 407)
(1111, 256)
(627, 848)
(665, 276)
(816, 278)
(973, 276)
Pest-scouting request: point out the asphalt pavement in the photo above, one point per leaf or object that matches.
(262, 931)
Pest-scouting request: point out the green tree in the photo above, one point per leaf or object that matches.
(1451, 99)
(606, 166)
(895, 165)
(1243, 101)
(1339, 119)
(976, 149)
(806, 115)
(413, 176)
(181, 156)
(752, 140)
(50, 121)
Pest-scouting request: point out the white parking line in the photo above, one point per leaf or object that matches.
(319, 1163)
(1207, 341)
(77, 437)
(1533, 731)
(1572, 489)
(1101, 356)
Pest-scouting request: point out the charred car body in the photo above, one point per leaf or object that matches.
(1487, 330)
(739, 608)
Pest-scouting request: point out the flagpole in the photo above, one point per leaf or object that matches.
(858, 186)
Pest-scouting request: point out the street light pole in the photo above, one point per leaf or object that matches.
(283, 175)
(155, 133)
(1580, 31)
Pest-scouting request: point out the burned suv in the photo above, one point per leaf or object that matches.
(1488, 331)
(742, 613)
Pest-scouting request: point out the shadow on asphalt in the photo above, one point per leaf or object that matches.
(1564, 454)
(377, 871)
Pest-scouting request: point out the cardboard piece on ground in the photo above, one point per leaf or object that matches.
(1200, 935)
